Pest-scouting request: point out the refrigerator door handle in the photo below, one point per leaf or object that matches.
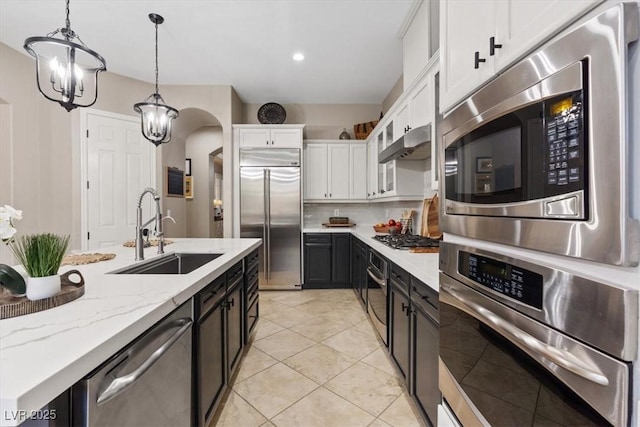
(267, 222)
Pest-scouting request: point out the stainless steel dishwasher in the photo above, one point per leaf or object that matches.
(148, 383)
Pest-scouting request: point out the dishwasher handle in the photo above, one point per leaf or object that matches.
(120, 384)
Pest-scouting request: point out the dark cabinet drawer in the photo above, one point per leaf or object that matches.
(317, 238)
(400, 277)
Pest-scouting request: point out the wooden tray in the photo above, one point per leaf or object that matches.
(81, 259)
(349, 224)
(153, 242)
(12, 306)
(424, 250)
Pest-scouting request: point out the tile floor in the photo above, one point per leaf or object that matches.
(315, 361)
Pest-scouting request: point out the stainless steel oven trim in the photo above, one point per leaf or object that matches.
(569, 302)
(465, 411)
(608, 223)
(609, 399)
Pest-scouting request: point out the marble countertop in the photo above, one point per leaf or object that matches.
(421, 266)
(43, 354)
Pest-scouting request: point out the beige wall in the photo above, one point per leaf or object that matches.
(394, 94)
(200, 144)
(322, 121)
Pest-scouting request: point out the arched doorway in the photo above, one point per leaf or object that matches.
(197, 136)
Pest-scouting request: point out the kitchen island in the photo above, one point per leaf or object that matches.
(45, 353)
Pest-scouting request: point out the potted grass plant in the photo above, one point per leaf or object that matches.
(41, 256)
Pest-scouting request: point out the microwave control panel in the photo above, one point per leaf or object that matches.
(565, 146)
(509, 280)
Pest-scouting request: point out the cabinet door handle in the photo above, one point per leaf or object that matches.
(493, 46)
(405, 307)
(381, 191)
(408, 128)
(478, 60)
(330, 195)
(267, 142)
(325, 195)
(231, 302)
(271, 142)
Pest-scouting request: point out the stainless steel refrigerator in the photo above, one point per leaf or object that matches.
(270, 209)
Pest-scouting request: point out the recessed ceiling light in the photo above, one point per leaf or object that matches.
(298, 57)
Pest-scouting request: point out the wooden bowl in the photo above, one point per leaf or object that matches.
(383, 229)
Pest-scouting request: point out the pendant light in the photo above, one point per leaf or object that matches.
(156, 115)
(66, 69)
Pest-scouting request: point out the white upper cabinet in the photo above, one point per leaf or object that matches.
(478, 39)
(372, 168)
(465, 29)
(358, 171)
(276, 136)
(316, 171)
(522, 24)
(339, 167)
(335, 171)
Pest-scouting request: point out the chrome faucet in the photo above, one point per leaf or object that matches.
(140, 226)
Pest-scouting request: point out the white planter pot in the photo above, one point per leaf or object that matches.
(43, 287)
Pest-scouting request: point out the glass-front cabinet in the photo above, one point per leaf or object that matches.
(382, 181)
(390, 182)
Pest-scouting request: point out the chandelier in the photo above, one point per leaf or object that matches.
(66, 69)
(156, 115)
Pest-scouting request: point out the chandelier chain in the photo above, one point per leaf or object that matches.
(156, 57)
(67, 22)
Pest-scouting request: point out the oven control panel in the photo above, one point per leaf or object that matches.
(565, 154)
(509, 280)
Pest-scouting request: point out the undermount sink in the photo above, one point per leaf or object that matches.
(176, 263)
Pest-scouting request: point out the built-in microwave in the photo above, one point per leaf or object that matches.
(538, 158)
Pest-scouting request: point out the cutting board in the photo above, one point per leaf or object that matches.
(430, 226)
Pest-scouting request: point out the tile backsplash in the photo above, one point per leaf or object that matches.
(360, 213)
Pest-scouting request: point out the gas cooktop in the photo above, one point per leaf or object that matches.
(407, 241)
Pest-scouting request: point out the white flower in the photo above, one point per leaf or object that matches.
(6, 231)
(7, 215)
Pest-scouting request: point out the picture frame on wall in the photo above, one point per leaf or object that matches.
(187, 167)
(484, 164)
(188, 187)
(174, 182)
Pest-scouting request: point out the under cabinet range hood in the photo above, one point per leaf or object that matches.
(413, 145)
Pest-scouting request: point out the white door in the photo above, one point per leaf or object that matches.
(120, 164)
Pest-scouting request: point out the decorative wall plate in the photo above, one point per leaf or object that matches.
(271, 114)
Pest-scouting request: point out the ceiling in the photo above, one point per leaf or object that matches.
(352, 48)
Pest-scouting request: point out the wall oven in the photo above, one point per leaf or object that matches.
(538, 158)
(526, 344)
(377, 281)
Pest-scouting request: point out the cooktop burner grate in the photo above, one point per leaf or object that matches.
(407, 241)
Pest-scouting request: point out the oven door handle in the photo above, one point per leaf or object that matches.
(375, 278)
(524, 340)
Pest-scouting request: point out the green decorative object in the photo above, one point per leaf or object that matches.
(12, 280)
(40, 254)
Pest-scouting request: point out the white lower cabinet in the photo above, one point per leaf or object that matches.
(335, 171)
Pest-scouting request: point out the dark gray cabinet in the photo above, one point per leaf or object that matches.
(219, 340)
(327, 260)
(251, 295)
(234, 307)
(210, 369)
(399, 318)
(425, 337)
(359, 253)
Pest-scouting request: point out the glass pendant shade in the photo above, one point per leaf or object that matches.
(156, 116)
(156, 119)
(66, 69)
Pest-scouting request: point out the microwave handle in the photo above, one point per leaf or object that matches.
(519, 337)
